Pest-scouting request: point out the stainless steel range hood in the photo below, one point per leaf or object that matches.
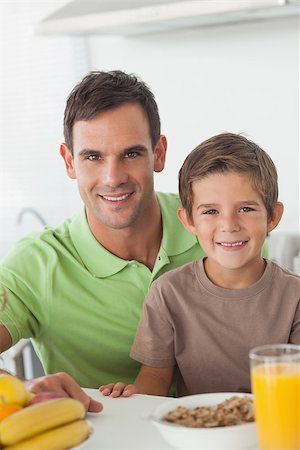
(131, 17)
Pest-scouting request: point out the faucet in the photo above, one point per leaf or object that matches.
(32, 211)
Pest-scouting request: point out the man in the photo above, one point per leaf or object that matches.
(78, 290)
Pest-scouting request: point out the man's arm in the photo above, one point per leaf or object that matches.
(5, 343)
(61, 383)
(5, 339)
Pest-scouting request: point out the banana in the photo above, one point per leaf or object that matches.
(38, 418)
(59, 438)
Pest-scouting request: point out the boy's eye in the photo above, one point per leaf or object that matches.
(210, 211)
(246, 209)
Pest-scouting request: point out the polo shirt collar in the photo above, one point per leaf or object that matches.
(98, 261)
(101, 263)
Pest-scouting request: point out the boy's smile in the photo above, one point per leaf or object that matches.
(230, 220)
(232, 245)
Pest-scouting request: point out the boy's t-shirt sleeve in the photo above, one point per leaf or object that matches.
(154, 340)
(295, 332)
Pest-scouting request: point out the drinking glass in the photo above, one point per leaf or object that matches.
(275, 380)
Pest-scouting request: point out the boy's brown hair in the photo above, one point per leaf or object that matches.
(229, 152)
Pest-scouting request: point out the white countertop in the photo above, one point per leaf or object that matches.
(120, 425)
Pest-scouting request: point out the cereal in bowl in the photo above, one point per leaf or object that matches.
(233, 411)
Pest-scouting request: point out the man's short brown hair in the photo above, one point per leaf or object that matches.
(101, 91)
(228, 152)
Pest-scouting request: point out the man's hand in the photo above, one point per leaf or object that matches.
(63, 384)
(118, 389)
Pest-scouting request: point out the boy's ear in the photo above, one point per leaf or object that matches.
(276, 216)
(186, 221)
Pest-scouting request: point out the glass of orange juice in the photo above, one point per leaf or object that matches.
(275, 381)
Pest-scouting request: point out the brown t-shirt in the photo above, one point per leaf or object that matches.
(207, 331)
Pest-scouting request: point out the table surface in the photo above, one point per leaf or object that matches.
(121, 426)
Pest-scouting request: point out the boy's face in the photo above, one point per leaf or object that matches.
(230, 220)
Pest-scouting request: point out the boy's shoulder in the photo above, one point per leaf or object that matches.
(284, 274)
(282, 283)
(183, 275)
(174, 276)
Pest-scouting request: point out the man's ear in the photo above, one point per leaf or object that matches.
(186, 221)
(160, 154)
(68, 159)
(276, 216)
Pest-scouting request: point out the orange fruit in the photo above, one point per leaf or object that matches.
(6, 409)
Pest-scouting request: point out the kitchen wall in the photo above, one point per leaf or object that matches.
(36, 75)
(239, 78)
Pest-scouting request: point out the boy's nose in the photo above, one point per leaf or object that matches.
(230, 224)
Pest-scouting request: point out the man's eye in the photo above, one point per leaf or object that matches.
(131, 155)
(210, 211)
(93, 157)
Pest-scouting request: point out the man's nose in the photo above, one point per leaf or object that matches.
(113, 174)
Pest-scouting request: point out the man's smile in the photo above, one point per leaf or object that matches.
(116, 198)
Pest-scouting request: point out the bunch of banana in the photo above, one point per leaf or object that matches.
(55, 424)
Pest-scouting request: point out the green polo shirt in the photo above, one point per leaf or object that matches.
(79, 303)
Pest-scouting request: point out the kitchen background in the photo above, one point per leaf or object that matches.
(229, 75)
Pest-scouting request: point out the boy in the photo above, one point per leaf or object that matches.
(203, 318)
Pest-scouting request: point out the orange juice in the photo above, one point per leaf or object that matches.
(276, 389)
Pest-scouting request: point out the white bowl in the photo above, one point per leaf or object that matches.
(236, 437)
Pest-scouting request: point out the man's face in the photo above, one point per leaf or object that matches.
(113, 163)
